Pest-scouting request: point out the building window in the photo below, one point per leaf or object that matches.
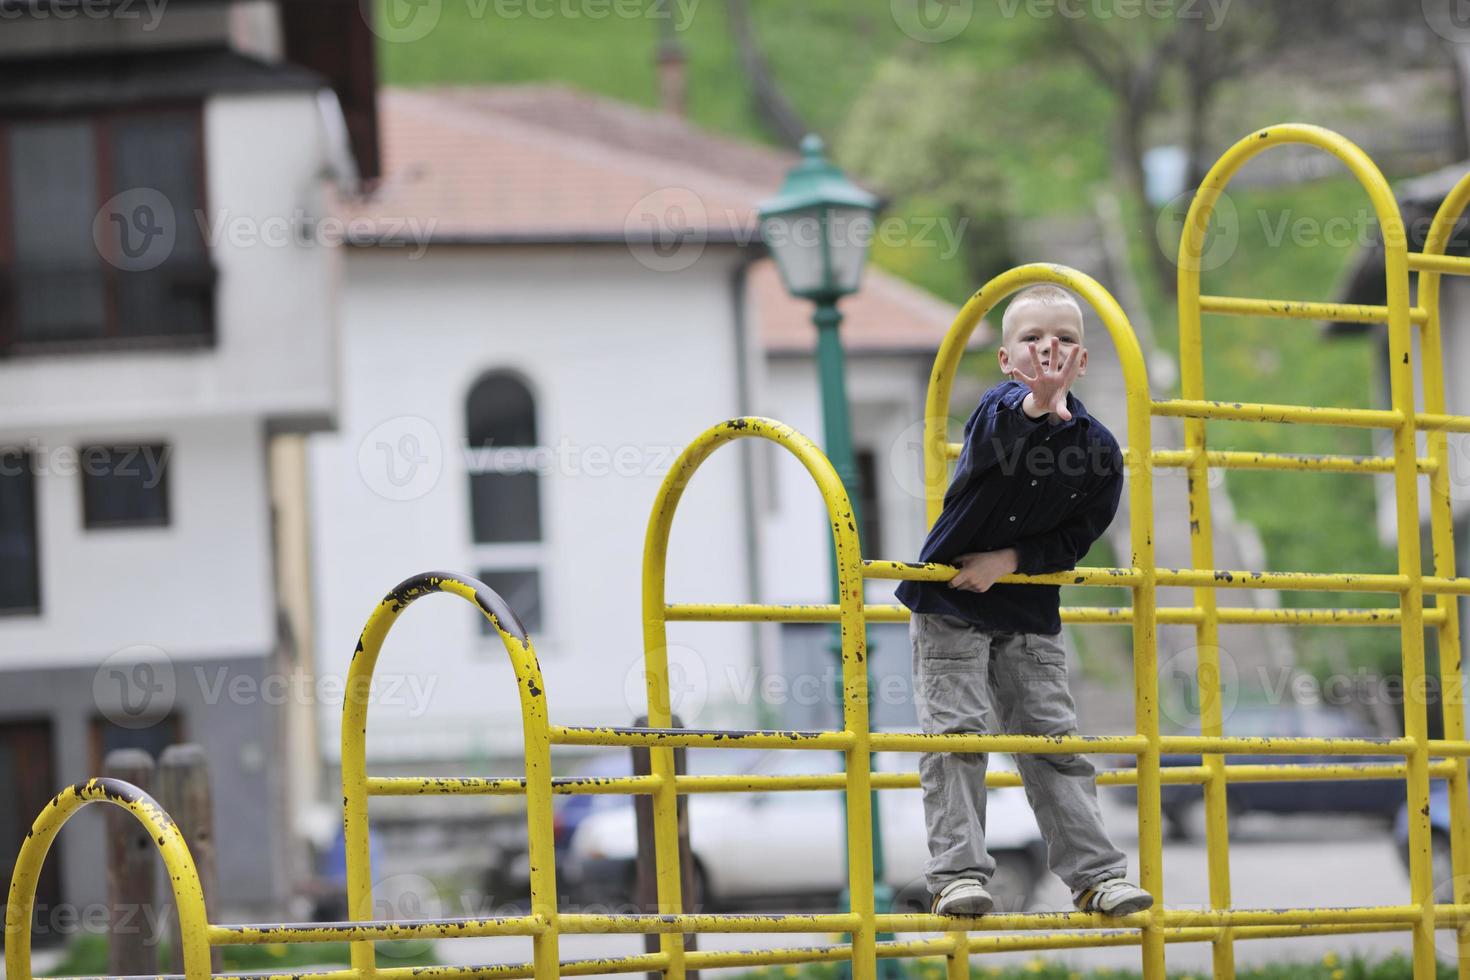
(20, 578)
(505, 492)
(125, 486)
(99, 238)
(521, 590)
(871, 533)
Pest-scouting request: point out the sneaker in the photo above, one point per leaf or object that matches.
(1113, 896)
(963, 896)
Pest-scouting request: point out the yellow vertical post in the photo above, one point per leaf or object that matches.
(1411, 600)
(1202, 554)
(1442, 520)
(1140, 502)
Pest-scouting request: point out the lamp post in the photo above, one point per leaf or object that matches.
(818, 228)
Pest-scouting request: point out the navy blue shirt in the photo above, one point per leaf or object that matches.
(1045, 487)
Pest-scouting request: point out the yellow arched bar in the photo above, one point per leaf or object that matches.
(854, 675)
(1399, 317)
(183, 878)
(535, 725)
(1141, 511)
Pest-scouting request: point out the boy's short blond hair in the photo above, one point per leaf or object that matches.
(1042, 294)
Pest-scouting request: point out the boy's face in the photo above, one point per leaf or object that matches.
(1038, 325)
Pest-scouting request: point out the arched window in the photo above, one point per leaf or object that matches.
(500, 424)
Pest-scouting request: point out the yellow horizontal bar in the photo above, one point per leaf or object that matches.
(913, 571)
(1187, 577)
(1281, 917)
(1439, 746)
(695, 923)
(1290, 309)
(504, 785)
(1285, 745)
(1239, 772)
(1043, 744)
(699, 738)
(1235, 459)
(711, 612)
(330, 932)
(1436, 585)
(1231, 459)
(1448, 423)
(1453, 265)
(1372, 418)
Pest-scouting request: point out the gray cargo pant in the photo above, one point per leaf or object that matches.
(961, 675)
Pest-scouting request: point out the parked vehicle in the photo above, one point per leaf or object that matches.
(1439, 825)
(1183, 803)
(790, 845)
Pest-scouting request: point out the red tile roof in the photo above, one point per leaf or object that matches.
(509, 163)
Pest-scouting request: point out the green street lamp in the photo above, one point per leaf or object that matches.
(818, 228)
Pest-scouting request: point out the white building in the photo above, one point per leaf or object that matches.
(166, 330)
(582, 279)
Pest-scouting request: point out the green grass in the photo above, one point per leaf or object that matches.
(87, 956)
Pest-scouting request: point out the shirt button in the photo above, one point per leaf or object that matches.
(1033, 483)
(1074, 495)
(1013, 517)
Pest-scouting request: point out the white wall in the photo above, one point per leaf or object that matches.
(887, 398)
(266, 159)
(200, 587)
(617, 356)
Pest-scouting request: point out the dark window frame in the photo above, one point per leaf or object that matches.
(162, 450)
(478, 534)
(35, 566)
(204, 277)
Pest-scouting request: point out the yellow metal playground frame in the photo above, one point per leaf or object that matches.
(1220, 924)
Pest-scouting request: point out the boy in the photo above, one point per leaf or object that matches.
(1037, 482)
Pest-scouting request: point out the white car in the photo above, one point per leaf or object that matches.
(789, 844)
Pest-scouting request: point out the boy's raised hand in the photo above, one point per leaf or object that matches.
(1050, 384)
